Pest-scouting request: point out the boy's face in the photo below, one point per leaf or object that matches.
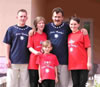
(22, 18)
(47, 49)
(57, 18)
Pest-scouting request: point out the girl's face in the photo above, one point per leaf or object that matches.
(40, 25)
(74, 25)
(47, 49)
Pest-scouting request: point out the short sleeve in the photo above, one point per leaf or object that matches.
(8, 37)
(56, 63)
(30, 42)
(86, 41)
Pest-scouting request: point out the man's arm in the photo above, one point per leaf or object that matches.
(84, 31)
(32, 31)
(8, 61)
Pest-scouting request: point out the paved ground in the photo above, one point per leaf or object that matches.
(93, 81)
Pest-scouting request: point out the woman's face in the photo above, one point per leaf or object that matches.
(74, 25)
(40, 25)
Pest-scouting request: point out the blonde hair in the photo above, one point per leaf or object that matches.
(46, 43)
(37, 19)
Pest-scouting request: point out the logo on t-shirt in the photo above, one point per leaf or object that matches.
(21, 37)
(47, 70)
(71, 45)
(56, 35)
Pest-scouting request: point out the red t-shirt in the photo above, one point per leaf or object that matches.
(47, 64)
(77, 44)
(35, 42)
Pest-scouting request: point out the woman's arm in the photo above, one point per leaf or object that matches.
(34, 51)
(89, 63)
(56, 79)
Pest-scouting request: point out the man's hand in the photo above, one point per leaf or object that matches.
(8, 63)
(31, 32)
(84, 31)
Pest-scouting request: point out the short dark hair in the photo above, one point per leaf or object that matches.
(22, 10)
(58, 10)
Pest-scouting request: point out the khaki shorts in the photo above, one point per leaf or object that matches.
(18, 76)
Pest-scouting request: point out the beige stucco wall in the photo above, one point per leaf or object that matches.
(8, 10)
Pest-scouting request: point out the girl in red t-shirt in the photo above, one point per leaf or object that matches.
(34, 45)
(47, 66)
(79, 54)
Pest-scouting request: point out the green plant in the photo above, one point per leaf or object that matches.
(96, 84)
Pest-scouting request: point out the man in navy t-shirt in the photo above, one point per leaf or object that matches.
(17, 54)
(57, 33)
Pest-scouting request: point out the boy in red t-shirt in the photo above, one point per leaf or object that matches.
(47, 66)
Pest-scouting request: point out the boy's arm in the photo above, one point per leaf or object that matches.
(39, 75)
(56, 79)
(8, 61)
(89, 63)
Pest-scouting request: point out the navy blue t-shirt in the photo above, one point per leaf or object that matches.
(17, 38)
(58, 36)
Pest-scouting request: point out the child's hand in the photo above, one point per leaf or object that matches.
(40, 81)
(56, 80)
(89, 65)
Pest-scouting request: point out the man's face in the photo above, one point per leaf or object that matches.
(22, 17)
(57, 18)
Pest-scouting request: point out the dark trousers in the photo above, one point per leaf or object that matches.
(48, 83)
(34, 77)
(79, 77)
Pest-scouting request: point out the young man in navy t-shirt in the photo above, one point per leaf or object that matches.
(17, 54)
